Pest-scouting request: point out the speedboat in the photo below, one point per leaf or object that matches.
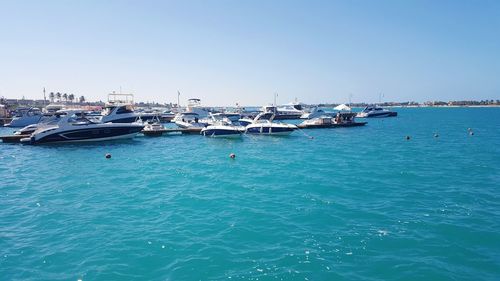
(194, 106)
(25, 116)
(153, 127)
(232, 116)
(245, 121)
(73, 126)
(376, 111)
(341, 119)
(284, 112)
(167, 116)
(221, 130)
(193, 116)
(49, 118)
(317, 122)
(188, 120)
(28, 130)
(263, 124)
(316, 112)
(221, 127)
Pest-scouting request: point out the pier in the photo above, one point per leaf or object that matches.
(13, 138)
(192, 131)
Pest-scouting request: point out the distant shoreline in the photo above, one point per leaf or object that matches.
(442, 106)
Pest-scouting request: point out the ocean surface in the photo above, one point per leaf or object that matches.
(326, 204)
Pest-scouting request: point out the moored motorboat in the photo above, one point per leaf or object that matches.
(72, 126)
(316, 112)
(153, 127)
(221, 130)
(376, 111)
(25, 116)
(285, 112)
(263, 124)
(341, 119)
(167, 116)
(188, 120)
(221, 127)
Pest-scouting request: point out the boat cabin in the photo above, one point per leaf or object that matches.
(344, 117)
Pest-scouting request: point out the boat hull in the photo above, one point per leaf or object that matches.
(269, 130)
(378, 115)
(86, 135)
(221, 133)
(24, 121)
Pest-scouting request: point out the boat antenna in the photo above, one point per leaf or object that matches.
(275, 96)
(178, 103)
(380, 96)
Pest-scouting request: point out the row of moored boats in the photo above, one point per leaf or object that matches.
(118, 120)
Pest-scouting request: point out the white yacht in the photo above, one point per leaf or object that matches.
(194, 116)
(221, 126)
(153, 127)
(120, 109)
(119, 113)
(25, 116)
(188, 120)
(194, 106)
(315, 113)
(72, 126)
(376, 111)
(284, 112)
(263, 124)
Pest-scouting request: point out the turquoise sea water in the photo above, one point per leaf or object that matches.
(350, 204)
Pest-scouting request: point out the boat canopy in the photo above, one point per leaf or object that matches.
(342, 107)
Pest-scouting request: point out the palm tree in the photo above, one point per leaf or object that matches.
(82, 99)
(65, 97)
(58, 96)
(71, 97)
(51, 97)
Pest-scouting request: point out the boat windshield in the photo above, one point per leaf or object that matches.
(125, 109)
(79, 119)
(108, 110)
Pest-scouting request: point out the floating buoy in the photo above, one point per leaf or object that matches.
(232, 155)
(471, 133)
(436, 135)
(407, 137)
(108, 155)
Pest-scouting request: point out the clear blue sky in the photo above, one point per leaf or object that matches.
(243, 51)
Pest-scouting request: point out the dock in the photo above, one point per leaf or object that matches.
(4, 121)
(192, 131)
(13, 138)
(332, 125)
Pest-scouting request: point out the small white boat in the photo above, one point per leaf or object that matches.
(221, 127)
(315, 113)
(224, 131)
(341, 119)
(153, 127)
(188, 120)
(376, 111)
(265, 126)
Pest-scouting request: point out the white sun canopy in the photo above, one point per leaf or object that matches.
(342, 107)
